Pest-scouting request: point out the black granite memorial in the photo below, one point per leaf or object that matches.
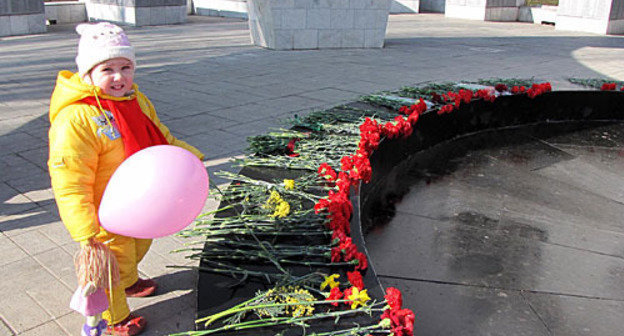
(505, 218)
(499, 218)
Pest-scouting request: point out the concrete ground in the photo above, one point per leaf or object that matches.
(213, 89)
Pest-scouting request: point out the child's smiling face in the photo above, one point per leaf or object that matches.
(114, 76)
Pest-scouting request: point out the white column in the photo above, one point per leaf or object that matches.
(488, 10)
(594, 16)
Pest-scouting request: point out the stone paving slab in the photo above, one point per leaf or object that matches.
(213, 88)
(604, 314)
(508, 309)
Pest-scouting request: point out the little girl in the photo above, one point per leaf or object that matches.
(98, 118)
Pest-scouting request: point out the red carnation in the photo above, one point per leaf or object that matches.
(402, 321)
(422, 106)
(501, 87)
(321, 205)
(394, 298)
(436, 97)
(538, 89)
(290, 148)
(338, 236)
(369, 141)
(339, 202)
(362, 170)
(349, 249)
(369, 135)
(446, 109)
(346, 163)
(403, 126)
(413, 118)
(343, 182)
(457, 103)
(415, 110)
(334, 294)
(485, 95)
(355, 278)
(327, 172)
(466, 95)
(390, 130)
(369, 125)
(347, 292)
(336, 254)
(362, 261)
(518, 89)
(338, 222)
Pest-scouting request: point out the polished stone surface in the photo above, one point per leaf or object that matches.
(510, 232)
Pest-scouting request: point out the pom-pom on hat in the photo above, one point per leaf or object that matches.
(100, 42)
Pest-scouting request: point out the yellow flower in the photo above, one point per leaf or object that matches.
(359, 298)
(276, 203)
(281, 210)
(274, 198)
(289, 184)
(331, 281)
(300, 297)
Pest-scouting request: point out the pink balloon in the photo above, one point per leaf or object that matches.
(155, 192)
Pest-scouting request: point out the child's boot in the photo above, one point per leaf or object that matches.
(130, 326)
(142, 288)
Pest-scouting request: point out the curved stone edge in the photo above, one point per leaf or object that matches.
(431, 129)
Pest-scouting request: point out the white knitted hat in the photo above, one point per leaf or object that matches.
(100, 42)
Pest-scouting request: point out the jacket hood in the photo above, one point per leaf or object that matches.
(70, 88)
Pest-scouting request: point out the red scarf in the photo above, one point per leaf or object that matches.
(137, 130)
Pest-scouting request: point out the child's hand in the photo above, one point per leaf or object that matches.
(86, 242)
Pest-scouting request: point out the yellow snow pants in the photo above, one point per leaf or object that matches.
(129, 252)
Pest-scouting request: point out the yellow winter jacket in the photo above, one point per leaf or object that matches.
(85, 150)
